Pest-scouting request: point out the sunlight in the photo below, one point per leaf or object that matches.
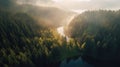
(79, 11)
(70, 0)
(61, 31)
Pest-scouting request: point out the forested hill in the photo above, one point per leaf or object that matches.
(26, 42)
(98, 32)
(17, 39)
(27, 39)
(53, 16)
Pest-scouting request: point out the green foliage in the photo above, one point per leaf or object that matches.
(24, 42)
(98, 32)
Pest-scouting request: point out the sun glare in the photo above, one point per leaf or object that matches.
(61, 31)
(70, 0)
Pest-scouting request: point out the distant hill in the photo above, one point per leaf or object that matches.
(53, 15)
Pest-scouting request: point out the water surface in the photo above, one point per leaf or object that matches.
(75, 63)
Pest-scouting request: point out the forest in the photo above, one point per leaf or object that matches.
(26, 42)
(98, 34)
(29, 36)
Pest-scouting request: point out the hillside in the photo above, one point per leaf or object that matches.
(24, 42)
(55, 16)
(98, 34)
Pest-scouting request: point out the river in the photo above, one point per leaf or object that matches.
(72, 63)
(61, 28)
(75, 63)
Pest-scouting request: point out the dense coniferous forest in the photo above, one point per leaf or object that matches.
(98, 33)
(25, 41)
(29, 38)
(28, 41)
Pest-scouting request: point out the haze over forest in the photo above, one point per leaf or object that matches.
(59, 33)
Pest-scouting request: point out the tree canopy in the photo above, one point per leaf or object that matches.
(98, 33)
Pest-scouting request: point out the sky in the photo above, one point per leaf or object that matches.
(88, 4)
(77, 5)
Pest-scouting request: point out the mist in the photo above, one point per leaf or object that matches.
(44, 10)
(59, 33)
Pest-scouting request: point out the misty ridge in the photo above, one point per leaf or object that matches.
(39, 35)
(51, 15)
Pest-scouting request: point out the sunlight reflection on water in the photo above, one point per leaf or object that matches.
(61, 31)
